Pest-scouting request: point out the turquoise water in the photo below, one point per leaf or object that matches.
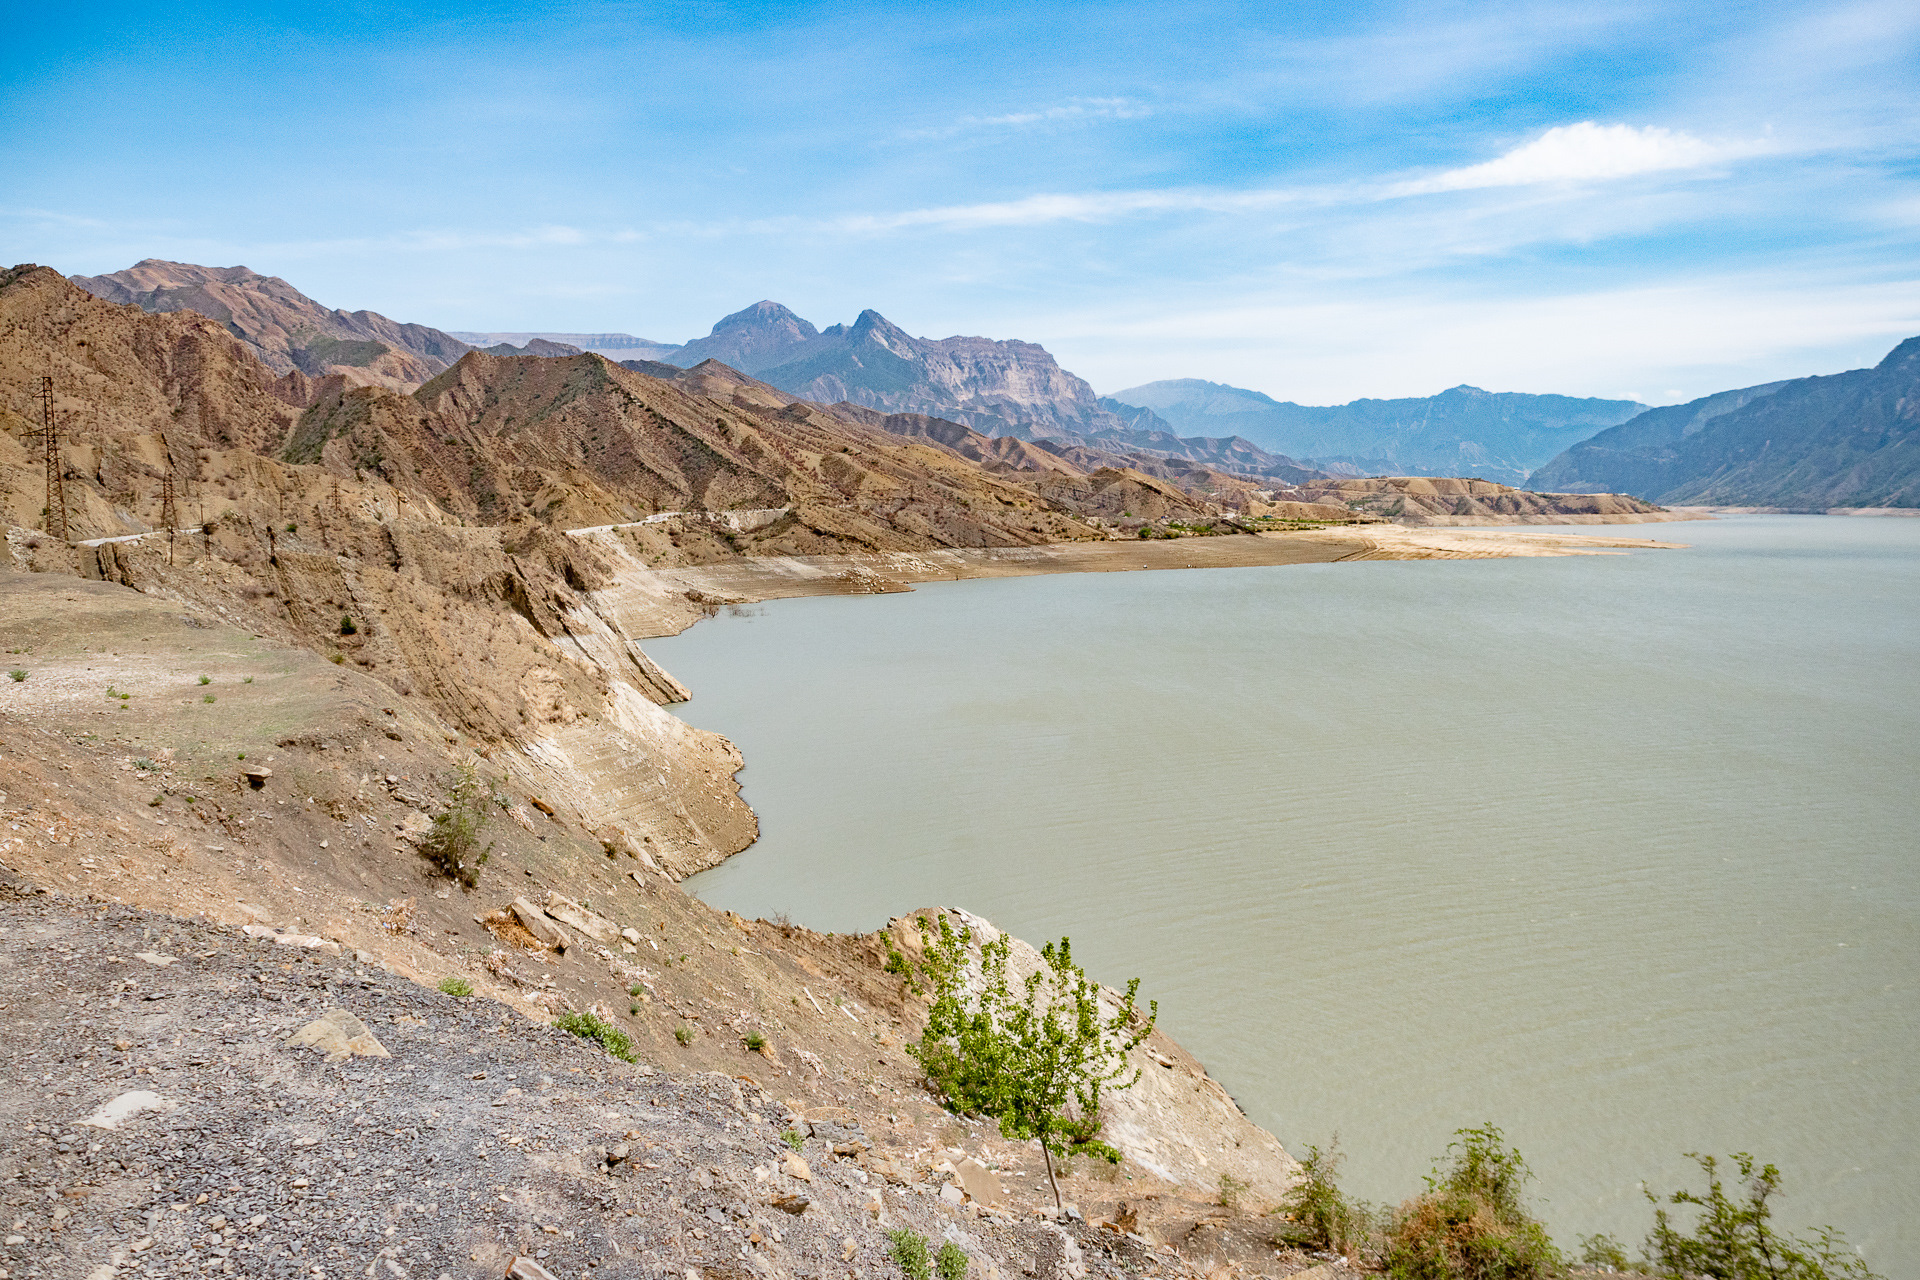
(1617, 852)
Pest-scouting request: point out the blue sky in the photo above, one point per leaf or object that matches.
(1319, 201)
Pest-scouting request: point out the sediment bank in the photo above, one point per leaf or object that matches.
(651, 602)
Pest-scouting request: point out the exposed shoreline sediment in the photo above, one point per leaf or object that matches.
(649, 602)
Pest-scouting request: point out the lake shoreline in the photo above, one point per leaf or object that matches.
(649, 603)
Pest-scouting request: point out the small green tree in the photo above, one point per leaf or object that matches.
(452, 844)
(1732, 1239)
(1033, 1056)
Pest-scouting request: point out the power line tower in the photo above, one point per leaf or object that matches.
(169, 512)
(56, 487)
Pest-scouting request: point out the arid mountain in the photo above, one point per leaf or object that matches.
(1463, 431)
(996, 387)
(755, 339)
(532, 347)
(1425, 500)
(614, 346)
(1810, 444)
(285, 328)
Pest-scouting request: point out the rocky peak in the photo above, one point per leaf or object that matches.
(750, 339)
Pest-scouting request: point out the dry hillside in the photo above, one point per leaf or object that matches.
(285, 328)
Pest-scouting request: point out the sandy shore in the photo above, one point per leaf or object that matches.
(658, 602)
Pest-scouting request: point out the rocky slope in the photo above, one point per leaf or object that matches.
(1460, 432)
(467, 1140)
(1810, 444)
(285, 328)
(282, 803)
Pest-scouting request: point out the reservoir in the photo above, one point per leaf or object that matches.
(1619, 852)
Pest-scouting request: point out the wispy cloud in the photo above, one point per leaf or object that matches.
(1075, 111)
(1586, 152)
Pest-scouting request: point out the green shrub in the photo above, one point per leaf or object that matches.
(206, 679)
(346, 625)
(792, 1138)
(1232, 1190)
(1732, 1239)
(1603, 1253)
(754, 1041)
(18, 675)
(589, 1027)
(684, 1034)
(1317, 1214)
(452, 844)
(1470, 1224)
(457, 987)
(951, 1262)
(209, 698)
(910, 1251)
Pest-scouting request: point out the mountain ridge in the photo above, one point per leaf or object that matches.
(1463, 430)
(287, 329)
(1834, 441)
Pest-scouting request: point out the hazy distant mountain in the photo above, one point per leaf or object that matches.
(1461, 432)
(614, 346)
(998, 387)
(756, 339)
(1849, 440)
(532, 347)
(286, 328)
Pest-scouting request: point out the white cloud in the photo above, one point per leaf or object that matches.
(1583, 152)
(1586, 152)
(1097, 207)
(1078, 110)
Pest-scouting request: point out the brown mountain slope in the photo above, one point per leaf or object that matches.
(287, 329)
(581, 442)
(121, 379)
(1440, 500)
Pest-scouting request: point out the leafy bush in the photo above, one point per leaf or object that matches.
(754, 1041)
(346, 625)
(792, 1138)
(910, 1251)
(1732, 1239)
(589, 1027)
(684, 1034)
(1603, 1253)
(18, 675)
(1232, 1191)
(1036, 1057)
(452, 844)
(1317, 1214)
(1470, 1223)
(206, 679)
(457, 987)
(951, 1262)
